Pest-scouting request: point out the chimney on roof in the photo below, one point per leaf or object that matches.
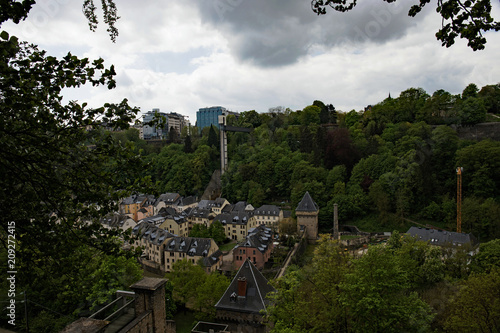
(242, 287)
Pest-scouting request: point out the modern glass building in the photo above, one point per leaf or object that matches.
(209, 116)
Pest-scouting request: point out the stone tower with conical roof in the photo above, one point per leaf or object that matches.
(307, 217)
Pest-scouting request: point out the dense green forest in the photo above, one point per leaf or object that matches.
(391, 162)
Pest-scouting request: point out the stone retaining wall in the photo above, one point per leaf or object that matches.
(479, 132)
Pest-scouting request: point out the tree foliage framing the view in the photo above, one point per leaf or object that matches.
(53, 155)
(62, 171)
(465, 19)
(18, 10)
(110, 16)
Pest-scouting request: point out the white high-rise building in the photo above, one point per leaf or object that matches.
(154, 131)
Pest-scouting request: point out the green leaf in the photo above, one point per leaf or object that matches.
(4, 35)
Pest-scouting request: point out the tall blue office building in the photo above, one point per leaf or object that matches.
(209, 116)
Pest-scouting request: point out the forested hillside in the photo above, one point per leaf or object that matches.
(394, 160)
(405, 285)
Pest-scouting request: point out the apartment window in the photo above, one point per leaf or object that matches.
(253, 251)
(243, 251)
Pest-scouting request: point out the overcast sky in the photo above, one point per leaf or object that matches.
(255, 54)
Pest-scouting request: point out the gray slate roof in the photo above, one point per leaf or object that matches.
(150, 200)
(218, 202)
(228, 208)
(234, 217)
(259, 238)
(257, 289)
(267, 210)
(187, 211)
(190, 245)
(212, 260)
(154, 220)
(204, 203)
(115, 220)
(307, 204)
(152, 233)
(211, 203)
(167, 211)
(187, 201)
(240, 205)
(178, 218)
(134, 198)
(440, 237)
(168, 198)
(199, 212)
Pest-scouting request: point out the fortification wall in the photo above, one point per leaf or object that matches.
(479, 132)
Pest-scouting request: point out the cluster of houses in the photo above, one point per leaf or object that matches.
(162, 226)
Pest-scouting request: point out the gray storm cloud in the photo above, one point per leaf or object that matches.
(277, 33)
